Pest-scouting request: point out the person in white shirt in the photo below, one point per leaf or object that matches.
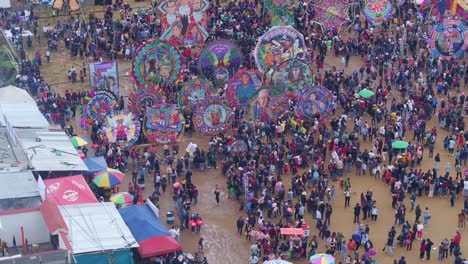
(253, 259)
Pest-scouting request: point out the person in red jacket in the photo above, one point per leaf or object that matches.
(457, 238)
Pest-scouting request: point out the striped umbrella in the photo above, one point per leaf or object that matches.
(322, 259)
(79, 141)
(108, 178)
(121, 198)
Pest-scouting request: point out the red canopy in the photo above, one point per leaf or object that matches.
(157, 246)
(69, 190)
(292, 231)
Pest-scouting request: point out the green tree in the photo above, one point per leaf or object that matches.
(7, 70)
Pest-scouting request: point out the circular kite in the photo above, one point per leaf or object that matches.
(268, 103)
(100, 104)
(241, 87)
(143, 98)
(377, 11)
(293, 73)
(163, 123)
(449, 39)
(213, 116)
(194, 92)
(282, 16)
(331, 14)
(220, 60)
(315, 102)
(277, 45)
(123, 129)
(156, 63)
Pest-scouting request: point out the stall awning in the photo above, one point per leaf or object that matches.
(69, 190)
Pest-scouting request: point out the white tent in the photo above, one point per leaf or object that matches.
(5, 3)
(96, 227)
(11, 94)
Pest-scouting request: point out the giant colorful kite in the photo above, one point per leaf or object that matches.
(184, 21)
(331, 14)
(281, 15)
(268, 103)
(241, 87)
(194, 92)
(277, 45)
(315, 102)
(219, 61)
(100, 104)
(213, 116)
(293, 73)
(123, 129)
(377, 11)
(156, 63)
(449, 39)
(163, 123)
(144, 98)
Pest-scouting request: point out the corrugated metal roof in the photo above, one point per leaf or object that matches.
(96, 227)
(18, 185)
(54, 151)
(23, 115)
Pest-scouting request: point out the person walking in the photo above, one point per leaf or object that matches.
(419, 228)
(347, 194)
(357, 212)
(240, 225)
(422, 249)
(461, 220)
(217, 193)
(374, 213)
(428, 248)
(426, 216)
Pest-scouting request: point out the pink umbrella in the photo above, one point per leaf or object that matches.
(372, 252)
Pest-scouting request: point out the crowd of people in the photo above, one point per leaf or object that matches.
(292, 167)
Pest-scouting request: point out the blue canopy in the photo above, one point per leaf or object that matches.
(96, 164)
(142, 222)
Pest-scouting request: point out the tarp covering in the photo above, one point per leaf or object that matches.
(157, 246)
(119, 257)
(53, 218)
(141, 220)
(95, 164)
(18, 190)
(23, 115)
(151, 234)
(69, 190)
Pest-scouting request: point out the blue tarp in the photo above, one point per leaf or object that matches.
(142, 222)
(96, 164)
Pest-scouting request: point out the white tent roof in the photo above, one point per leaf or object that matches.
(5, 3)
(18, 185)
(25, 115)
(11, 94)
(49, 151)
(96, 227)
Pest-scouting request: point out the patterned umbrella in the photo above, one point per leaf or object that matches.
(331, 14)
(121, 198)
(400, 144)
(322, 259)
(79, 141)
(108, 178)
